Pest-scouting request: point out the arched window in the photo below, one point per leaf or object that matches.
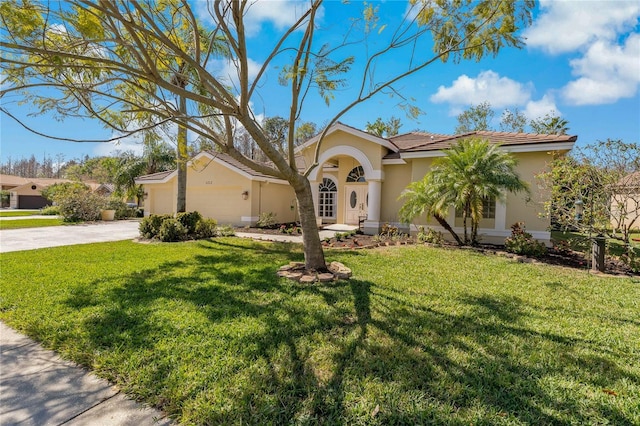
(327, 198)
(356, 175)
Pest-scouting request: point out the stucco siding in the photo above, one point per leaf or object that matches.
(396, 179)
(527, 208)
(275, 198)
(160, 199)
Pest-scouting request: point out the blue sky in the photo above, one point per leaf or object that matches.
(582, 60)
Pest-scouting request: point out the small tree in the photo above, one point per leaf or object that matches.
(420, 198)
(470, 172)
(595, 190)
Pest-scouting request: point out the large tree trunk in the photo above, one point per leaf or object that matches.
(313, 254)
(442, 221)
(182, 161)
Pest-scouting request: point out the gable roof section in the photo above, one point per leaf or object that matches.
(223, 159)
(338, 126)
(414, 145)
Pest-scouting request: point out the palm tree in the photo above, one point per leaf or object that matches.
(420, 199)
(157, 156)
(470, 172)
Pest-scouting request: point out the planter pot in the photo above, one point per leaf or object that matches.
(107, 215)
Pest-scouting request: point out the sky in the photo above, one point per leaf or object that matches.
(581, 60)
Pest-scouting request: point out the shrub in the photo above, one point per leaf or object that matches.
(189, 220)
(522, 242)
(430, 236)
(266, 220)
(171, 230)
(50, 211)
(206, 228)
(150, 226)
(389, 230)
(225, 231)
(76, 202)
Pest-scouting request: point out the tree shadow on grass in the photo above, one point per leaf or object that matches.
(217, 338)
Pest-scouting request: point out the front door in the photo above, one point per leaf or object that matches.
(356, 203)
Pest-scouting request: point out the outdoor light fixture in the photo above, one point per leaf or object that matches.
(245, 195)
(579, 205)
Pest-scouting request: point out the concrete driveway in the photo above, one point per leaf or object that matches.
(55, 236)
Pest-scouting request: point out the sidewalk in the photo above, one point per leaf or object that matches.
(39, 388)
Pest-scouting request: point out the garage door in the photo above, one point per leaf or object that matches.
(32, 202)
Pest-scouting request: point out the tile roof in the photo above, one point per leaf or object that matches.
(155, 176)
(220, 156)
(412, 142)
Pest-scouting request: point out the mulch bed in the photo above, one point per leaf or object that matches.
(570, 259)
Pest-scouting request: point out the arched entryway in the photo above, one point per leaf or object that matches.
(357, 183)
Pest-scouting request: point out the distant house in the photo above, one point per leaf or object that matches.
(26, 193)
(625, 203)
(358, 181)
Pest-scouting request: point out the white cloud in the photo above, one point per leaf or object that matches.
(537, 109)
(566, 26)
(130, 143)
(606, 73)
(499, 91)
(282, 14)
(602, 33)
(226, 70)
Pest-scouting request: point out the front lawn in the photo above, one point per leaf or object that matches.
(14, 213)
(206, 332)
(30, 223)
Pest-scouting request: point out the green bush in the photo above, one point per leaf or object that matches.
(266, 220)
(225, 231)
(150, 226)
(76, 201)
(50, 211)
(522, 242)
(185, 226)
(430, 236)
(206, 228)
(172, 230)
(189, 220)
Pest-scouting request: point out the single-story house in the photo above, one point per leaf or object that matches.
(26, 193)
(358, 181)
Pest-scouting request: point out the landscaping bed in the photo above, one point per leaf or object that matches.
(562, 256)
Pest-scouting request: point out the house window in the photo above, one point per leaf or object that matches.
(488, 208)
(327, 198)
(356, 175)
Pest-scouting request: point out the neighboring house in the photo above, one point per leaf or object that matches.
(358, 181)
(625, 203)
(26, 193)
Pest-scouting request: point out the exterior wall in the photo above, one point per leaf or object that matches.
(627, 204)
(216, 192)
(373, 151)
(522, 207)
(396, 179)
(160, 199)
(275, 198)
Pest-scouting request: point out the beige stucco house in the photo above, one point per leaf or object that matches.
(358, 181)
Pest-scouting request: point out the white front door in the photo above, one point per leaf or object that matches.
(356, 203)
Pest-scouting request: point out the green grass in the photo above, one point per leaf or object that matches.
(579, 242)
(14, 213)
(30, 223)
(205, 331)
